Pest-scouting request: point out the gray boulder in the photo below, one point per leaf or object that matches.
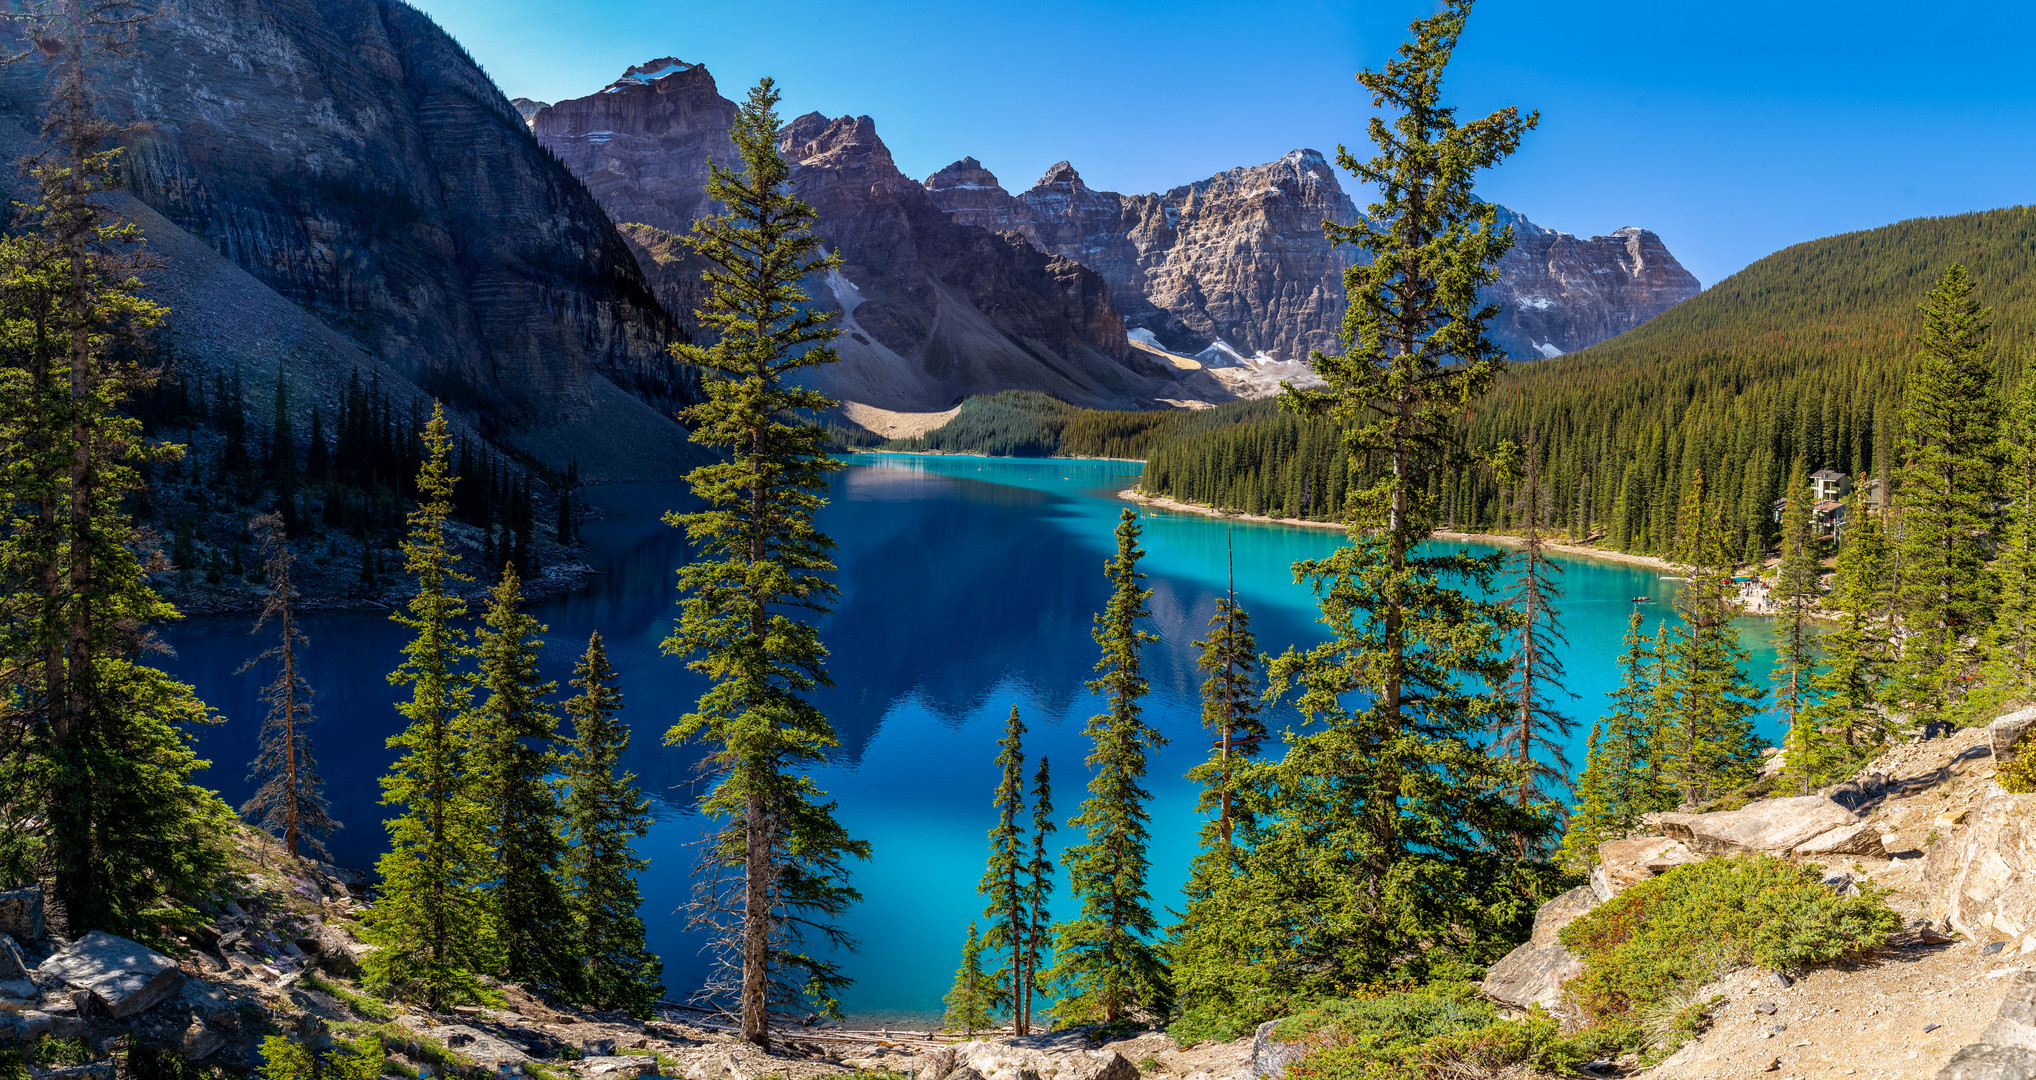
(486, 1050)
(21, 913)
(1985, 1061)
(1861, 839)
(1269, 1056)
(124, 977)
(1991, 892)
(1533, 974)
(1774, 826)
(200, 1042)
(1623, 864)
(626, 1067)
(721, 1066)
(988, 1060)
(2006, 731)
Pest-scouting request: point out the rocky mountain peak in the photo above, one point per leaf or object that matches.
(967, 174)
(528, 108)
(1061, 174)
(842, 143)
(651, 71)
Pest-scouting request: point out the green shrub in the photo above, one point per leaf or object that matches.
(1435, 1031)
(1648, 950)
(363, 1006)
(1205, 1023)
(354, 1059)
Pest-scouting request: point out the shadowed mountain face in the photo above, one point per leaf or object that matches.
(349, 155)
(933, 310)
(1240, 259)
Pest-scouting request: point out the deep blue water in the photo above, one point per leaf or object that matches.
(967, 586)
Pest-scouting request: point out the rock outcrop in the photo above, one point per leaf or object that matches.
(1533, 974)
(2007, 1048)
(351, 156)
(1623, 864)
(1991, 892)
(933, 310)
(122, 976)
(1236, 269)
(1803, 825)
(1006, 1061)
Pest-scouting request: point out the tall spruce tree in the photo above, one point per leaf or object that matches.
(512, 761)
(970, 1000)
(776, 873)
(605, 814)
(1706, 702)
(1003, 884)
(431, 921)
(1385, 838)
(1230, 710)
(1945, 493)
(1622, 772)
(1851, 689)
(1533, 731)
(1104, 964)
(1038, 895)
(290, 797)
(1230, 707)
(95, 755)
(2011, 641)
(1796, 595)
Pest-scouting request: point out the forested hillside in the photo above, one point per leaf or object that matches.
(1022, 423)
(1801, 355)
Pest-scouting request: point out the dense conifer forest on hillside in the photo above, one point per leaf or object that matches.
(1802, 355)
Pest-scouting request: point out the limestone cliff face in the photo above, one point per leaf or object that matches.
(933, 309)
(641, 146)
(351, 156)
(1559, 293)
(1241, 259)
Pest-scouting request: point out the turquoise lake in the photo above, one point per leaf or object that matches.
(967, 586)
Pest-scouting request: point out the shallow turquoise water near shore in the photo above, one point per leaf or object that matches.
(968, 585)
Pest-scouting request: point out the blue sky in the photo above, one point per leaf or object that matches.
(1732, 128)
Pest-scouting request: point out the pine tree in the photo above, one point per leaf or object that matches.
(95, 755)
(291, 798)
(1622, 774)
(1386, 838)
(1103, 965)
(1707, 704)
(1038, 894)
(1796, 595)
(777, 869)
(1851, 689)
(1944, 494)
(1003, 885)
(604, 814)
(512, 762)
(1230, 709)
(2011, 641)
(1230, 706)
(1533, 731)
(969, 1002)
(431, 922)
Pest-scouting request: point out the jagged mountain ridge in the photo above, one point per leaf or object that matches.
(1237, 265)
(350, 155)
(933, 310)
